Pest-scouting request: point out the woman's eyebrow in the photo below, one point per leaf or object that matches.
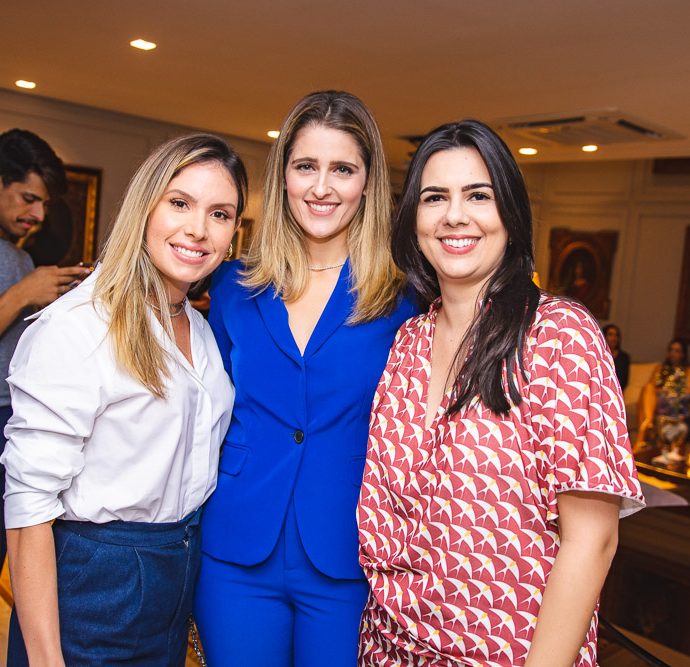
(476, 186)
(465, 188)
(433, 188)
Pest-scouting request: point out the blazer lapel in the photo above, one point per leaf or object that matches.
(275, 317)
(335, 313)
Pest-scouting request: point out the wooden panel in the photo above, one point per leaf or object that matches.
(653, 285)
(648, 588)
(663, 187)
(590, 182)
(682, 326)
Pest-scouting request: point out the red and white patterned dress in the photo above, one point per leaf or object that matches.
(458, 528)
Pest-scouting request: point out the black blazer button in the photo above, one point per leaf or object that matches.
(298, 436)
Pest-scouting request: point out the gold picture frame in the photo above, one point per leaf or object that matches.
(581, 265)
(242, 238)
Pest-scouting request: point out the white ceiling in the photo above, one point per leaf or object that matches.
(237, 67)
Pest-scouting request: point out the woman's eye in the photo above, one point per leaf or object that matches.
(344, 170)
(432, 199)
(178, 203)
(221, 215)
(479, 196)
(305, 166)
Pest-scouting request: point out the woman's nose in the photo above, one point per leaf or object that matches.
(456, 213)
(322, 185)
(195, 226)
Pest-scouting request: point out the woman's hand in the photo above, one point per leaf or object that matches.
(33, 573)
(588, 528)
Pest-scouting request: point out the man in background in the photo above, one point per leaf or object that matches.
(30, 174)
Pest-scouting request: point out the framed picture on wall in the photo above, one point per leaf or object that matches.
(242, 238)
(68, 234)
(580, 267)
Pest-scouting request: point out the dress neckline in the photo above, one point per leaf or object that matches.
(427, 355)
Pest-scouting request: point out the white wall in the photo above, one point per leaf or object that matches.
(650, 213)
(113, 142)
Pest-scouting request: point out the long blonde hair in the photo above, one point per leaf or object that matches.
(278, 256)
(128, 280)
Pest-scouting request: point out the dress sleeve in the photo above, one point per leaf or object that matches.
(56, 389)
(577, 411)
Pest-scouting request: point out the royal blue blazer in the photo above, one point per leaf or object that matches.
(299, 424)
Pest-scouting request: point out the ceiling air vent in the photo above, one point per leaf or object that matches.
(600, 128)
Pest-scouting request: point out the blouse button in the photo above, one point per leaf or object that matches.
(299, 437)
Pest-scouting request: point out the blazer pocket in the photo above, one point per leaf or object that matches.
(233, 459)
(357, 469)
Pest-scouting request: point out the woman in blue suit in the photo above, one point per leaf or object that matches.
(304, 328)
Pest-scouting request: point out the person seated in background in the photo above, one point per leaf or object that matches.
(621, 359)
(664, 410)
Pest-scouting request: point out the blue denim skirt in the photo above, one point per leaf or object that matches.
(125, 593)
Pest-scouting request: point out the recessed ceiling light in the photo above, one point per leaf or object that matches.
(142, 44)
(274, 134)
(590, 148)
(527, 151)
(29, 85)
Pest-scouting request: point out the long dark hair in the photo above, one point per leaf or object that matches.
(497, 334)
(684, 348)
(616, 328)
(667, 368)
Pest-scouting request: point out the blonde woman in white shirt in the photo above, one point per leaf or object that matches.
(120, 403)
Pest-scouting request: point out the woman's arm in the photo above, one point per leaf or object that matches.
(31, 554)
(588, 527)
(646, 408)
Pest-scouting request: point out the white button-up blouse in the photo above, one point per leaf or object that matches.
(87, 442)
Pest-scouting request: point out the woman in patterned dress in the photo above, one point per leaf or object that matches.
(499, 461)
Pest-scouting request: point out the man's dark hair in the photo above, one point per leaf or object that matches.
(22, 152)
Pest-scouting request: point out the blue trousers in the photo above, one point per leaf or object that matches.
(5, 414)
(280, 613)
(125, 593)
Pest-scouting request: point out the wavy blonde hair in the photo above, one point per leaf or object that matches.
(278, 255)
(128, 280)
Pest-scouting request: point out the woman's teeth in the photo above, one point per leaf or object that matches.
(459, 243)
(188, 252)
(322, 208)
